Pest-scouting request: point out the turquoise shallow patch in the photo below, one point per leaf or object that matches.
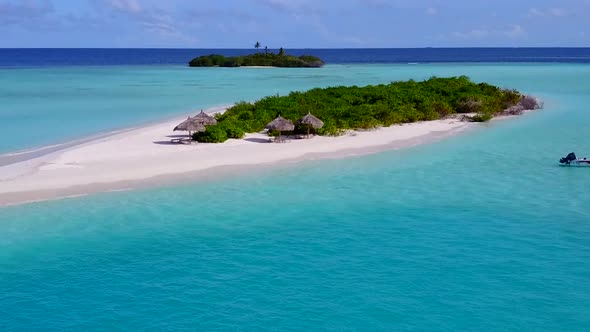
(50, 105)
(482, 231)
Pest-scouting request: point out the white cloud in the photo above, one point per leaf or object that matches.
(129, 6)
(513, 31)
(472, 34)
(557, 12)
(535, 12)
(551, 12)
(290, 6)
(280, 5)
(431, 11)
(378, 4)
(155, 21)
(18, 12)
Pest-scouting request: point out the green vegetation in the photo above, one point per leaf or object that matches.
(219, 133)
(266, 59)
(259, 59)
(482, 117)
(342, 108)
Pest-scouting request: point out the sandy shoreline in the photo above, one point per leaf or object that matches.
(144, 156)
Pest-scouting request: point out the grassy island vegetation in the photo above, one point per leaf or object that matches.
(343, 108)
(259, 59)
(266, 59)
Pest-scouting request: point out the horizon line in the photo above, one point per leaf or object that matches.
(299, 48)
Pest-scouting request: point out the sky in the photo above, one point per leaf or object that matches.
(293, 23)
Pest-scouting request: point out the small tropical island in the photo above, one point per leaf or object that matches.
(344, 108)
(258, 59)
(348, 119)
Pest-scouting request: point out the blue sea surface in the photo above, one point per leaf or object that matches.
(60, 95)
(115, 57)
(52, 105)
(478, 232)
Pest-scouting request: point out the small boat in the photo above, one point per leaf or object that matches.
(572, 160)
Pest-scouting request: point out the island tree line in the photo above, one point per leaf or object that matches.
(266, 58)
(351, 107)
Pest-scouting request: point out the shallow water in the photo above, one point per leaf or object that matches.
(49, 105)
(482, 231)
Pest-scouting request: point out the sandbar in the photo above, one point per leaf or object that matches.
(137, 157)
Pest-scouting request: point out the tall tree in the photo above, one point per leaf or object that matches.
(257, 45)
(282, 52)
(265, 49)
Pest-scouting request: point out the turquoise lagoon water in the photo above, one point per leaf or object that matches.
(49, 105)
(482, 231)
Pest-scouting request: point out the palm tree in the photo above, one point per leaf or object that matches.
(282, 52)
(266, 50)
(257, 45)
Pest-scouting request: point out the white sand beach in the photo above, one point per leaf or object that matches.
(138, 156)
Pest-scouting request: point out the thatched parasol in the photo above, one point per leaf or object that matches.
(310, 121)
(280, 124)
(205, 119)
(190, 125)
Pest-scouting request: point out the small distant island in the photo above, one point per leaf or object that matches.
(258, 59)
(361, 108)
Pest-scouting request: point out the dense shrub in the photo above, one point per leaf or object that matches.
(257, 59)
(213, 134)
(234, 131)
(208, 61)
(483, 117)
(344, 108)
(442, 109)
(469, 106)
(330, 130)
(512, 97)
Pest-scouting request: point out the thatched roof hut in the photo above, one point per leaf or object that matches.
(205, 119)
(310, 121)
(190, 125)
(280, 124)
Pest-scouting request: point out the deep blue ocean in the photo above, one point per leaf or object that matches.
(115, 57)
(478, 232)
